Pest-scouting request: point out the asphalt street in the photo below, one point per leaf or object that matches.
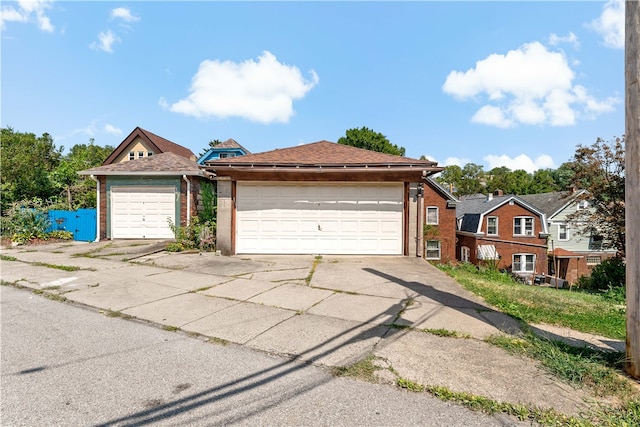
(65, 365)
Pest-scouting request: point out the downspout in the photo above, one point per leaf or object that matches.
(188, 198)
(97, 207)
(420, 233)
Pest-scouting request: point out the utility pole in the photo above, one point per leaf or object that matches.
(632, 184)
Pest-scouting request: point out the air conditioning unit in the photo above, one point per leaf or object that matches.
(528, 233)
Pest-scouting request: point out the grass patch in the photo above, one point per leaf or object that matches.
(170, 328)
(579, 366)
(201, 289)
(490, 406)
(317, 260)
(51, 288)
(113, 313)
(8, 258)
(409, 385)
(219, 341)
(364, 370)
(445, 333)
(577, 310)
(56, 266)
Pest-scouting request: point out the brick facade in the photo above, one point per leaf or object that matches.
(506, 243)
(445, 231)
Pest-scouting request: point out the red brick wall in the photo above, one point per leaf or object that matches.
(103, 207)
(446, 228)
(505, 242)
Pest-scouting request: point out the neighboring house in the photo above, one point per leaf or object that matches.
(320, 198)
(136, 199)
(223, 150)
(439, 224)
(141, 143)
(504, 230)
(573, 252)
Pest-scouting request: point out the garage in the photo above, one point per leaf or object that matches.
(142, 212)
(328, 218)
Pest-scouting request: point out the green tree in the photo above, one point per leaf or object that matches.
(599, 169)
(450, 178)
(26, 162)
(471, 181)
(76, 191)
(563, 176)
(370, 140)
(543, 182)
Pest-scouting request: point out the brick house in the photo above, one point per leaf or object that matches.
(504, 230)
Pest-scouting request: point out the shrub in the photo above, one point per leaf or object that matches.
(196, 235)
(609, 274)
(26, 220)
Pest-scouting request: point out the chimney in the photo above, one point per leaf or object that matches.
(489, 197)
(498, 193)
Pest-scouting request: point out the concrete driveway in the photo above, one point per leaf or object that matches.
(329, 310)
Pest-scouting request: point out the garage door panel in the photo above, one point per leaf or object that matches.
(142, 212)
(331, 218)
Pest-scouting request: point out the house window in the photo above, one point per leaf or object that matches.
(593, 259)
(465, 254)
(523, 226)
(132, 155)
(582, 205)
(432, 215)
(140, 154)
(433, 249)
(226, 155)
(563, 232)
(149, 153)
(523, 263)
(492, 225)
(595, 243)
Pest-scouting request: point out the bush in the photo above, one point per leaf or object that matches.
(609, 274)
(26, 220)
(201, 236)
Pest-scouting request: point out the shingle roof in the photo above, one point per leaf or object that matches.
(471, 208)
(231, 143)
(442, 189)
(158, 164)
(550, 203)
(161, 144)
(323, 153)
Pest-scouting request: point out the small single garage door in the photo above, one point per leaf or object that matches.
(142, 212)
(319, 218)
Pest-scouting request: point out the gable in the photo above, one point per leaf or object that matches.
(139, 148)
(152, 142)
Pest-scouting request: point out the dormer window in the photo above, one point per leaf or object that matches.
(140, 154)
(582, 205)
(132, 155)
(149, 153)
(226, 155)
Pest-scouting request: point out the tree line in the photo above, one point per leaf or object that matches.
(33, 168)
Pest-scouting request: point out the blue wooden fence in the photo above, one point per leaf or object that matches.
(82, 223)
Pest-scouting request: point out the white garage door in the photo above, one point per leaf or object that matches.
(317, 218)
(142, 212)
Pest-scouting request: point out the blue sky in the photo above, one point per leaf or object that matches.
(515, 84)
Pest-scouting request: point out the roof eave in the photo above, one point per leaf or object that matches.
(144, 173)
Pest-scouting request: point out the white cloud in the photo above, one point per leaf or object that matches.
(519, 162)
(571, 38)
(109, 128)
(530, 85)
(610, 24)
(28, 11)
(457, 161)
(106, 41)
(124, 14)
(261, 91)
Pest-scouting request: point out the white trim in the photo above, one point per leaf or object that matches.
(523, 226)
(439, 249)
(497, 218)
(437, 215)
(523, 264)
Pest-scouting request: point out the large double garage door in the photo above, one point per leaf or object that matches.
(319, 218)
(142, 212)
